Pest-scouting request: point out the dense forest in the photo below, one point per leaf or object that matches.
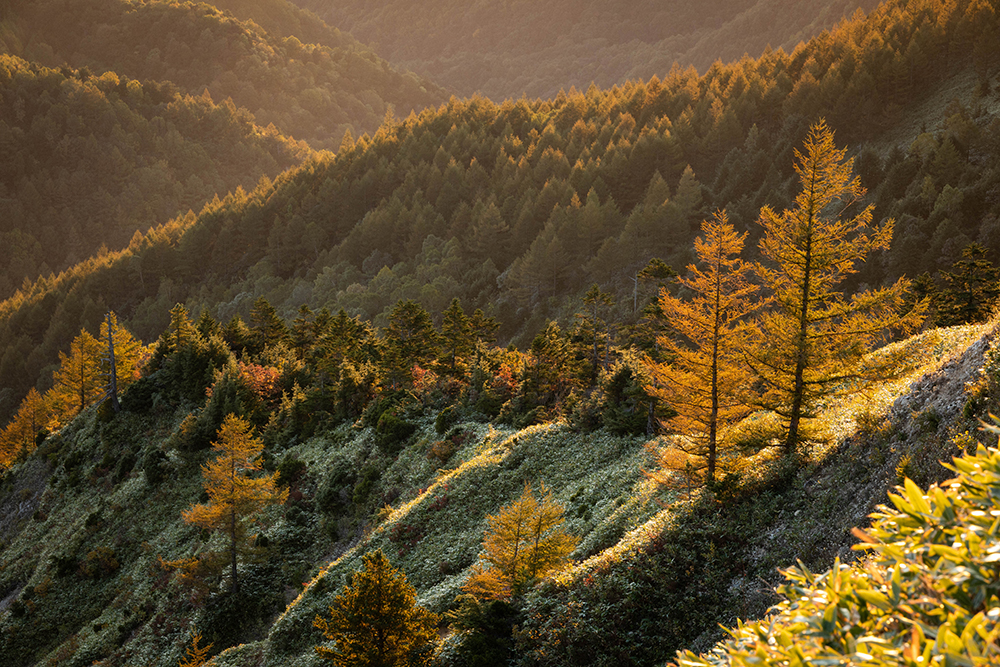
(510, 49)
(91, 160)
(520, 207)
(419, 445)
(312, 92)
(465, 356)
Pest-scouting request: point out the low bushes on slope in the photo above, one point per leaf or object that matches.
(929, 595)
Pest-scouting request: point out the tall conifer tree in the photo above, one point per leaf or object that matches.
(375, 622)
(77, 382)
(233, 494)
(705, 375)
(813, 337)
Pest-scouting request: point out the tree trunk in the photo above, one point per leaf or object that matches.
(232, 550)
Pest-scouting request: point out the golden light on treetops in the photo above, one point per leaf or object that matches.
(813, 335)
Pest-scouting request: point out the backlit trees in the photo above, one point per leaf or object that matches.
(814, 335)
(374, 621)
(234, 495)
(523, 543)
(704, 379)
(971, 288)
(19, 436)
(77, 383)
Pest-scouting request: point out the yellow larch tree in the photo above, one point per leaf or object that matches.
(813, 336)
(128, 352)
(19, 436)
(234, 494)
(524, 542)
(375, 621)
(197, 655)
(706, 380)
(77, 382)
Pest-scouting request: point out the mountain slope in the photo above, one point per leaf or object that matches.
(519, 208)
(506, 49)
(93, 517)
(91, 160)
(313, 92)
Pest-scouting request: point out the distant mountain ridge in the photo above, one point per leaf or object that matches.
(506, 49)
(92, 160)
(312, 92)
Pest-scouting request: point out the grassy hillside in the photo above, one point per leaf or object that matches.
(92, 515)
(506, 50)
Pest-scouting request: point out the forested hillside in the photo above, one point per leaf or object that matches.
(312, 92)
(520, 207)
(507, 49)
(90, 160)
(411, 441)
(544, 382)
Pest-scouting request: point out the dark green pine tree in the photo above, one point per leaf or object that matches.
(410, 340)
(457, 341)
(593, 329)
(970, 289)
(266, 327)
(303, 332)
(484, 329)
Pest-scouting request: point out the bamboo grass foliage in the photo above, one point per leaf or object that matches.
(928, 594)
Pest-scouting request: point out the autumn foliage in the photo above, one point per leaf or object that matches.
(234, 494)
(375, 622)
(813, 335)
(524, 542)
(705, 380)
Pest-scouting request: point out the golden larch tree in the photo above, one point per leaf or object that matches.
(375, 621)
(128, 352)
(77, 382)
(524, 542)
(19, 436)
(706, 379)
(235, 495)
(197, 655)
(814, 336)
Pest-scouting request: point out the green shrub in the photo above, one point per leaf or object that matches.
(392, 432)
(100, 562)
(138, 397)
(154, 465)
(486, 631)
(364, 486)
(236, 617)
(928, 595)
(290, 470)
(335, 488)
(446, 419)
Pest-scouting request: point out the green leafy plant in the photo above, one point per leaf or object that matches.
(928, 595)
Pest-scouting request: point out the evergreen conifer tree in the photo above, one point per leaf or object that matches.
(970, 290)
(375, 622)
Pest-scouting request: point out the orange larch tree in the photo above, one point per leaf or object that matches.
(20, 434)
(234, 494)
(705, 379)
(814, 336)
(77, 382)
